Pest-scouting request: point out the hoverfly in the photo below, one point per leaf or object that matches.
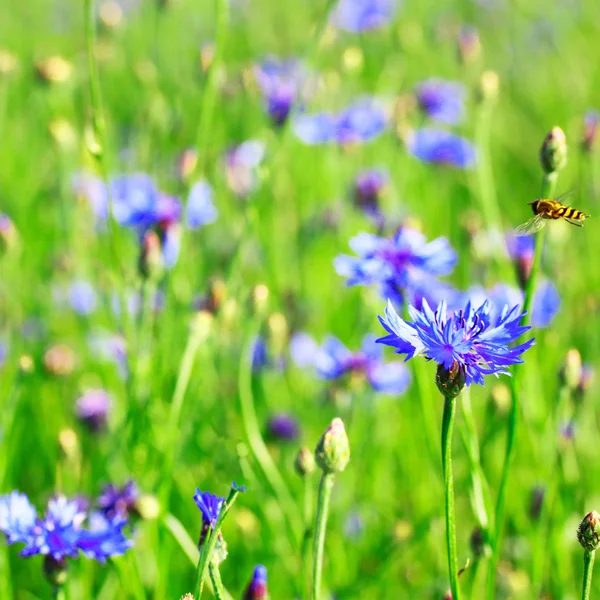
(544, 208)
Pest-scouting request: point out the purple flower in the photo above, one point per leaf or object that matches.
(360, 122)
(363, 15)
(283, 426)
(60, 533)
(441, 147)
(404, 264)
(303, 349)
(468, 338)
(334, 360)
(209, 505)
(200, 209)
(93, 408)
(442, 100)
(259, 354)
(109, 347)
(279, 81)
(241, 164)
(368, 188)
(257, 588)
(118, 502)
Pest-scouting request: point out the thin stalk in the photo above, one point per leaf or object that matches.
(548, 190)
(215, 577)
(58, 593)
(447, 427)
(325, 489)
(210, 542)
(306, 539)
(588, 567)
(258, 447)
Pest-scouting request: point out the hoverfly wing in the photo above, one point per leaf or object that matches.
(534, 224)
(564, 195)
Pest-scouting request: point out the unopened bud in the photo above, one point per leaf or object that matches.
(207, 55)
(591, 121)
(536, 502)
(202, 325)
(187, 597)
(260, 298)
(450, 381)
(489, 87)
(8, 62)
(305, 462)
(278, 332)
(54, 69)
(63, 133)
(26, 364)
(148, 507)
(69, 444)
(553, 153)
(187, 163)
(59, 360)
(469, 45)
(333, 450)
(570, 372)
(151, 263)
(257, 588)
(55, 570)
(588, 532)
(110, 14)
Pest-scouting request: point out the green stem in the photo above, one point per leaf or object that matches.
(307, 531)
(196, 336)
(588, 567)
(257, 445)
(210, 542)
(447, 426)
(58, 593)
(215, 577)
(325, 489)
(548, 190)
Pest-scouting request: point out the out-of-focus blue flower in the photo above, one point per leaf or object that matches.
(116, 502)
(442, 100)
(242, 489)
(110, 347)
(354, 526)
(60, 534)
(521, 250)
(404, 264)
(441, 147)
(283, 426)
(170, 244)
(259, 354)
(3, 352)
(363, 15)
(93, 408)
(241, 164)
(279, 81)
(200, 209)
(591, 122)
(333, 360)
(567, 430)
(360, 122)
(209, 505)
(545, 304)
(369, 186)
(257, 588)
(303, 349)
(467, 338)
(82, 297)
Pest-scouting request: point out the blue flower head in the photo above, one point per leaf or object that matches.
(241, 166)
(545, 304)
(200, 209)
(442, 100)
(334, 360)
(257, 588)
(93, 407)
(404, 264)
(209, 505)
(117, 501)
(59, 534)
(360, 122)
(279, 81)
(468, 338)
(363, 15)
(441, 147)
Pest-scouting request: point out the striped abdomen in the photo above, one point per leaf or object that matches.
(567, 212)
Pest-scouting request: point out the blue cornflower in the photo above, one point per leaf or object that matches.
(360, 122)
(200, 209)
(303, 348)
(363, 15)
(442, 100)
(369, 186)
(545, 304)
(279, 81)
(283, 426)
(92, 408)
(334, 360)
(116, 502)
(59, 534)
(404, 264)
(109, 347)
(241, 166)
(209, 505)
(467, 339)
(441, 147)
(521, 250)
(591, 121)
(257, 588)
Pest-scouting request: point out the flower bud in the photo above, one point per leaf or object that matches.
(278, 332)
(588, 532)
(26, 364)
(148, 507)
(489, 87)
(54, 69)
(55, 570)
(257, 588)
(585, 381)
(333, 450)
(9, 236)
(92, 408)
(591, 120)
(63, 133)
(8, 62)
(187, 597)
(450, 381)
(570, 372)
(260, 298)
(536, 502)
(469, 44)
(553, 153)
(110, 14)
(69, 445)
(477, 542)
(283, 427)
(305, 462)
(187, 163)
(59, 360)
(151, 264)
